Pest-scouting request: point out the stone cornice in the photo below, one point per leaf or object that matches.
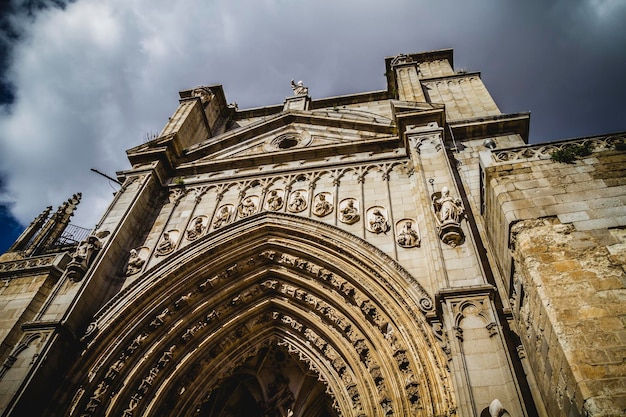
(543, 150)
(48, 264)
(490, 126)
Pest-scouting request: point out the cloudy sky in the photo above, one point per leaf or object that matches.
(82, 81)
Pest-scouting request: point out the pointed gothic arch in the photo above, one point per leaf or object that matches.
(334, 302)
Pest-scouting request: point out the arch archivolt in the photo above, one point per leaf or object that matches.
(279, 281)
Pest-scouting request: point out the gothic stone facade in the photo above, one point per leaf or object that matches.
(394, 253)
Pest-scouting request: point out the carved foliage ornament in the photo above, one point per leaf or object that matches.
(203, 92)
(371, 310)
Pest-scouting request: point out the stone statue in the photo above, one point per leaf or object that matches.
(274, 201)
(322, 206)
(165, 246)
(350, 213)
(247, 207)
(448, 212)
(408, 237)
(450, 209)
(196, 230)
(222, 217)
(135, 263)
(378, 222)
(203, 92)
(299, 89)
(84, 255)
(298, 203)
(86, 250)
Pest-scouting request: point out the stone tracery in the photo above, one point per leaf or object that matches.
(252, 287)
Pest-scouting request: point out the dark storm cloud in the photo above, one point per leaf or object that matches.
(91, 80)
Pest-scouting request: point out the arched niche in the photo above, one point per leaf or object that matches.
(340, 307)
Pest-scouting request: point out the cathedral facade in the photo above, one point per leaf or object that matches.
(401, 252)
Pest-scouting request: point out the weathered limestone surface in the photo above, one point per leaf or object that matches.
(395, 252)
(570, 308)
(525, 183)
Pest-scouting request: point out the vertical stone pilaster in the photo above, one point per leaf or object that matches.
(482, 368)
(407, 79)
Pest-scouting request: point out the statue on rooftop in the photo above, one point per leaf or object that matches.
(299, 89)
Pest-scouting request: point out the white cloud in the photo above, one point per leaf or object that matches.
(93, 79)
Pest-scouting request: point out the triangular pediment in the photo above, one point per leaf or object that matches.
(294, 137)
(294, 133)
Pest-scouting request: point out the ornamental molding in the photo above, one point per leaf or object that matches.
(543, 151)
(33, 265)
(330, 318)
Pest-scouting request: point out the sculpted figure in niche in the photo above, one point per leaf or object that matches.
(166, 245)
(299, 89)
(448, 212)
(349, 213)
(450, 209)
(407, 235)
(322, 206)
(274, 201)
(197, 228)
(221, 217)
(247, 207)
(135, 262)
(378, 222)
(298, 202)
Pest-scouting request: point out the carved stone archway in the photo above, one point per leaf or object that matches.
(328, 299)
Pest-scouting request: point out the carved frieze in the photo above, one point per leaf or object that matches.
(248, 206)
(223, 216)
(322, 204)
(168, 241)
(407, 233)
(198, 227)
(26, 264)
(136, 260)
(349, 211)
(377, 220)
(544, 151)
(298, 201)
(274, 200)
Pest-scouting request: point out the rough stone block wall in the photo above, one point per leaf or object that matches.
(20, 298)
(570, 310)
(590, 193)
